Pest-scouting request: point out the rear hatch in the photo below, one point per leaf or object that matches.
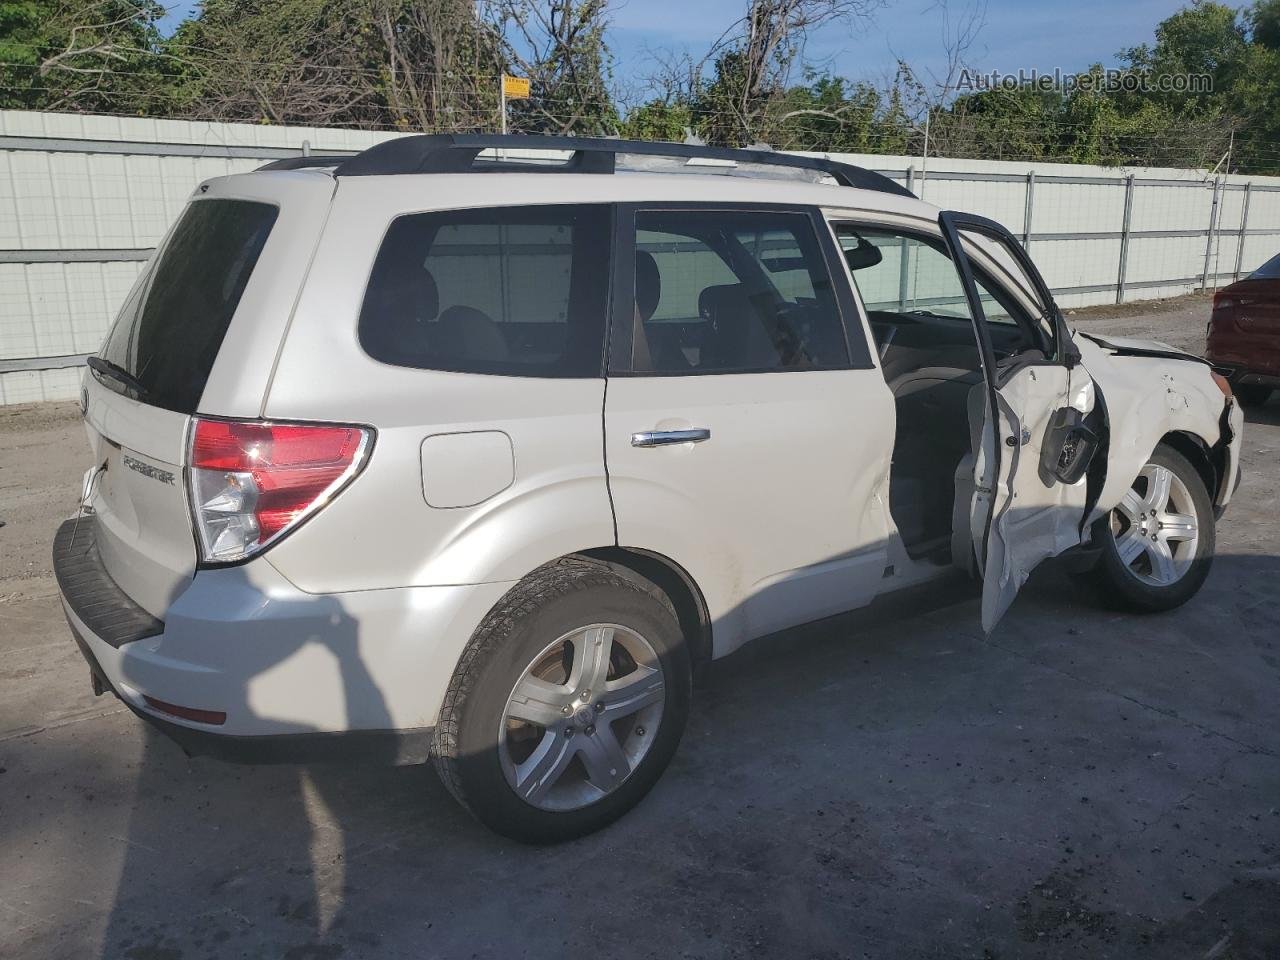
(150, 377)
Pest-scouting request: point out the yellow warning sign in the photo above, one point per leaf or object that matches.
(515, 88)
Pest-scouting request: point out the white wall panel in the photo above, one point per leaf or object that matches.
(84, 201)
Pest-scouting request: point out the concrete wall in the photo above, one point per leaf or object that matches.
(84, 198)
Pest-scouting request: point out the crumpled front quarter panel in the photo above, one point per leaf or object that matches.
(1148, 398)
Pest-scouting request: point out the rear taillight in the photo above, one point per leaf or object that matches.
(251, 482)
(1223, 306)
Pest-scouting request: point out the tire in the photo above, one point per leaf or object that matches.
(1252, 395)
(1137, 576)
(518, 745)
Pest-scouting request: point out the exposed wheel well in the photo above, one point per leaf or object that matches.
(1200, 456)
(675, 582)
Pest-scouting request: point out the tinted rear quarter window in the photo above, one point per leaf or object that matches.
(520, 291)
(171, 327)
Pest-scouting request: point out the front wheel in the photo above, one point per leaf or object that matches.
(1157, 544)
(568, 703)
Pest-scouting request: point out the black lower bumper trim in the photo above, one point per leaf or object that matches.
(375, 747)
(89, 590)
(1243, 377)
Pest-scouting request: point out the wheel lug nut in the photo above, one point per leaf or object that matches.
(566, 710)
(591, 728)
(639, 731)
(599, 706)
(568, 731)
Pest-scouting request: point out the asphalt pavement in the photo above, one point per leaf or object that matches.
(1082, 783)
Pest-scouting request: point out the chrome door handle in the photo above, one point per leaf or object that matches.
(660, 438)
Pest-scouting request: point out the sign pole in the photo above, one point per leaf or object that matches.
(511, 88)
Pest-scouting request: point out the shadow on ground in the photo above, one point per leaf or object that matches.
(1081, 781)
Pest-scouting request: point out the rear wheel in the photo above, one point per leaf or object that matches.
(1252, 395)
(1157, 544)
(567, 705)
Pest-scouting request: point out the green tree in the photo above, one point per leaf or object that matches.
(830, 114)
(90, 55)
(658, 120)
(560, 45)
(412, 64)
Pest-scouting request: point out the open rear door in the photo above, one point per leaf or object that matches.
(1035, 445)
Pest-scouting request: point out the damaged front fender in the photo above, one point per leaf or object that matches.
(1155, 394)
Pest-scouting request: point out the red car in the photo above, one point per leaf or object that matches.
(1244, 334)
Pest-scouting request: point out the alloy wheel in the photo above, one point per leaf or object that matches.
(1155, 527)
(582, 717)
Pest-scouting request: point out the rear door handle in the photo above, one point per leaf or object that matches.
(661, 438)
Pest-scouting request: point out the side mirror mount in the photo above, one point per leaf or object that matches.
(1068, 352)
(1069, 447)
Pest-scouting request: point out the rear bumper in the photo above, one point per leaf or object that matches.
(385, 747)
(299, 677)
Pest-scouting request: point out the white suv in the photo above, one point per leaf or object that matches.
(435, 452)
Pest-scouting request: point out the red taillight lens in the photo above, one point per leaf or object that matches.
(1223, 304)
(251, 481)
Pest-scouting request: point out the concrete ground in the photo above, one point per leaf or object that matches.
(1083, 783)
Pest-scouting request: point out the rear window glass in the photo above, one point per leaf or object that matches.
(171, 327)
(1269, 270)
(513, 290)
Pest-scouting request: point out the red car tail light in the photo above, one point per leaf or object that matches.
(251, 482)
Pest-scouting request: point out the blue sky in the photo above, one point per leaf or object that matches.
(1019, 34)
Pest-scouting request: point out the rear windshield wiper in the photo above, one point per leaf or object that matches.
(118, 374)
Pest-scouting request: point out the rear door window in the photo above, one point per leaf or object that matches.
(172, 325)
(508, 290)
(720, 291)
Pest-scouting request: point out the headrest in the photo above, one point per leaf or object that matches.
(428, 294)
(471, 334)
(406, 290)
(725, 298)
(648, 284)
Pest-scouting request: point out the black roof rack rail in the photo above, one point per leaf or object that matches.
(456, 153)
(310, 160)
